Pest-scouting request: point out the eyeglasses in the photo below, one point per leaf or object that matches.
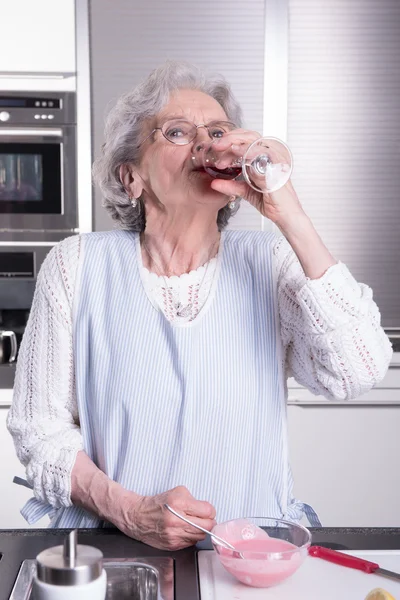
(181, 132)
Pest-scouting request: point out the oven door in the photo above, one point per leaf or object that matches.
(37, 179)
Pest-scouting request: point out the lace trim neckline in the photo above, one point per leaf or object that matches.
(194, 274)
(215, 270)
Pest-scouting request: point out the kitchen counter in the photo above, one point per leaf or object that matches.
(20, 544)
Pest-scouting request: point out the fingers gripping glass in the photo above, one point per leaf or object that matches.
(181, 132)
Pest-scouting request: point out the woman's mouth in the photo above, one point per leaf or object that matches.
(201, 171)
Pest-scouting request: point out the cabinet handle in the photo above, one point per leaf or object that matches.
(35, 75)
(14, 345)
(19, 132)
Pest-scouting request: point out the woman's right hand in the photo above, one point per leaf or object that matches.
(147, 520)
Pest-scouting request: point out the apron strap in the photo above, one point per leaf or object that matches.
(23, 482)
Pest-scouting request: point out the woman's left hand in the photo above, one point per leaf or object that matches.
(277, 206)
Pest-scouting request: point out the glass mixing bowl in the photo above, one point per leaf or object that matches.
(270, 555)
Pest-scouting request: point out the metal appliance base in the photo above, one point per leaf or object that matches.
(127, 579)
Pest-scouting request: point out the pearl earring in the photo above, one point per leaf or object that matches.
(133, 201)
(232, 202)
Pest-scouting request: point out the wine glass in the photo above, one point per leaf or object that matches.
(266, 164)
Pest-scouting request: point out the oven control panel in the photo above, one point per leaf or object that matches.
(29, 102)
(46, 108)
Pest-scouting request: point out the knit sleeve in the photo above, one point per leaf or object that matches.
(334, 343)
(43, 419)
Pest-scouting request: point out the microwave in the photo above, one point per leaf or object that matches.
(38, 187)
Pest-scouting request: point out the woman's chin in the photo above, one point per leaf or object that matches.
(212, 199)
(207, 195)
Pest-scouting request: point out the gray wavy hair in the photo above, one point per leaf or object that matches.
(123, 130)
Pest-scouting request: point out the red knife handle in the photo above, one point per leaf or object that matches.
(343, 559)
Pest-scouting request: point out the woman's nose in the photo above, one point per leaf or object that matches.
(202, 136)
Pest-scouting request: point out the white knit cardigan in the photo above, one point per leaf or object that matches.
(330, 327)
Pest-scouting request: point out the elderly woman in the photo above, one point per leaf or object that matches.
(154, 364)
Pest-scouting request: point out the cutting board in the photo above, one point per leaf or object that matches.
(315, 580)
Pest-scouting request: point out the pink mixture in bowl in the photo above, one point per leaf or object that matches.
(269, 557)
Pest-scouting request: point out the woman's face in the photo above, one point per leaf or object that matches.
(166, 170)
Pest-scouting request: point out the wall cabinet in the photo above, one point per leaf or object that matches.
(12, 496)
(38, 36)
(345, 463)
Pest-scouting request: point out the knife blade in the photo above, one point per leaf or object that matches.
(353, 562)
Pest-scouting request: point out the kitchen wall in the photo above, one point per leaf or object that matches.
(343, 124)
(128, 39)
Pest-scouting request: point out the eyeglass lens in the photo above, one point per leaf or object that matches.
(180, 131)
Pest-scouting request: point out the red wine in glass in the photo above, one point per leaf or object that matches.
(266, 164)
(228, 173)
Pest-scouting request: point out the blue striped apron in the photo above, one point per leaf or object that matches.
(200, 404)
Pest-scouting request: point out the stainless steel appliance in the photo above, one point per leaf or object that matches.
(147, 578)
(19, 265)
(38, 191)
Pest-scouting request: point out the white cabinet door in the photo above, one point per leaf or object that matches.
(12, 496)
(37, 36)
(345, 463)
